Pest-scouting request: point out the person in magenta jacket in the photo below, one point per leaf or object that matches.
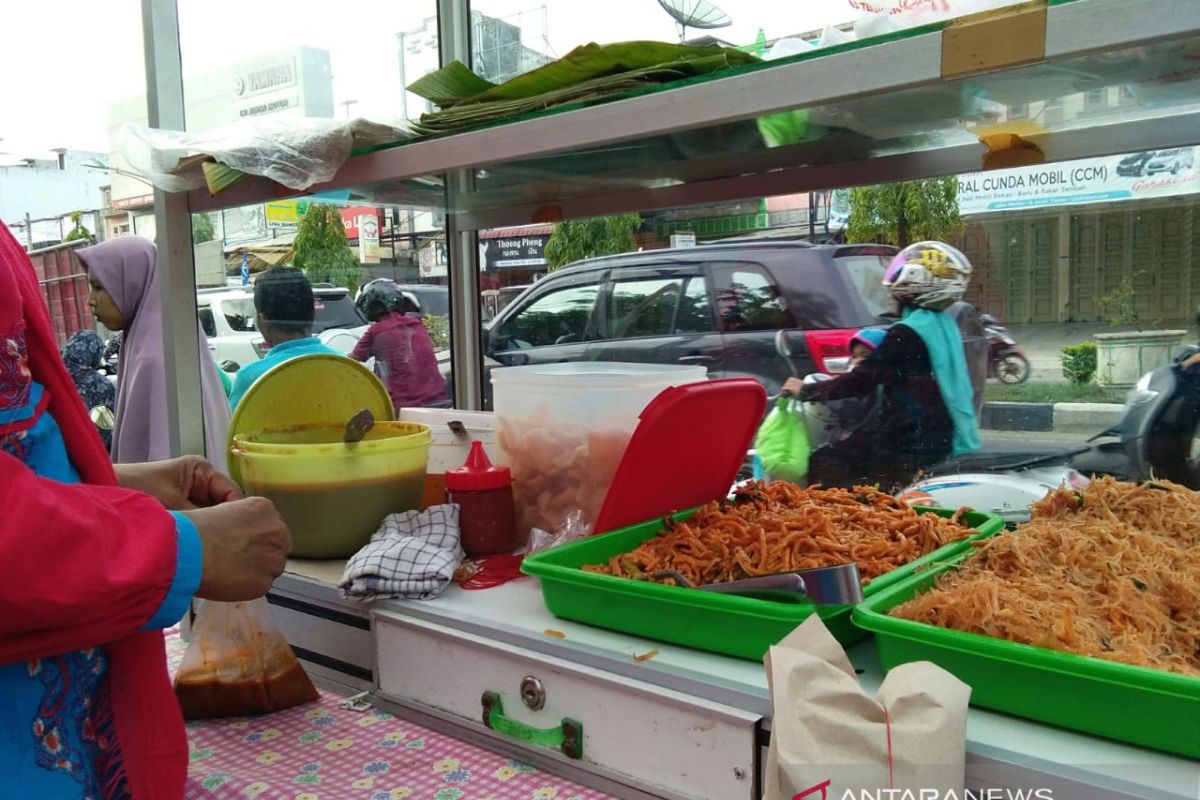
(94, 562)
(404, 357)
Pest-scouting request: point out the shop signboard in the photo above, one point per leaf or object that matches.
(352, 215)
(683, 240)
(432, 260)
(515, 251)
(368, 239)
(285, 214)
(1132, 176)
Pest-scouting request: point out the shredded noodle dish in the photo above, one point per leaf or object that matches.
(779, 527)
(1111, 572)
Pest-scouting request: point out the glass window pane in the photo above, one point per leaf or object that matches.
(695, 309)
(239, 313)
(207, 322)
(751, 302)
(642, 308)
(866, 275)
(555, 318)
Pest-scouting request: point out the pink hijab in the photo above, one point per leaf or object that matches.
(127, 268)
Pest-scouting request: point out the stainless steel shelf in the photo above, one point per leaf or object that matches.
(699, 143)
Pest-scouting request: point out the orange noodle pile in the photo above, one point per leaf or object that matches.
(1112, 572)
(779, 527)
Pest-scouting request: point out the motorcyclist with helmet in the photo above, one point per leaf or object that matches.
(404, 355)
(928, 410)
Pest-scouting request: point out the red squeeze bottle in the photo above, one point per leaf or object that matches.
(487, 519)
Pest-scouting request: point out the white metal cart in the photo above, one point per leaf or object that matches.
(684, 724)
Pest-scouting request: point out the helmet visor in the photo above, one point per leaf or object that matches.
(893, 271)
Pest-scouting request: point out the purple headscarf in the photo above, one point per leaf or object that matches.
(127, 268)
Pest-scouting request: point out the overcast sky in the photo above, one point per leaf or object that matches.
(64, 62)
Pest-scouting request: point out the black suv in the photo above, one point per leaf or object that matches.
(717, 305)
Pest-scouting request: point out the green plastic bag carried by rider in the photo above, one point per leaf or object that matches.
(782, 442)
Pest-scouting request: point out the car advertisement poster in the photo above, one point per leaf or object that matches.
(1133, 176)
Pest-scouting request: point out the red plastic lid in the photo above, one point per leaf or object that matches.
(477, 473)
(687, 449)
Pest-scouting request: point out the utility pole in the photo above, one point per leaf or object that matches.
(28, 231)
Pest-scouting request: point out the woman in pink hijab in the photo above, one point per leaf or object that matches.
(124, 279)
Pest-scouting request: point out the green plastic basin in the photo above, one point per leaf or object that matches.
(1138, 705)
(738, 626)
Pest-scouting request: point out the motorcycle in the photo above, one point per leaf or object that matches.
(1006, 361)
(1154, 439)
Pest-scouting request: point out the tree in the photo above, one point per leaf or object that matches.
(906, 212)
(576, 239)
(321, 249)
(78, 232)
(202, 229)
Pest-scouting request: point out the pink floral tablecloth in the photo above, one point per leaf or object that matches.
(322, 752)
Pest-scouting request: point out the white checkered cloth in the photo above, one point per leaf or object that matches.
(412, 555)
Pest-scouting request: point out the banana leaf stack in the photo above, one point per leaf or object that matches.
(588, 74)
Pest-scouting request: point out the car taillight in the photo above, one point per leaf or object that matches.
(830, 350)
(260, 347)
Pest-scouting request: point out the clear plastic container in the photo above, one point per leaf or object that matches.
(449, 449)
(564, 427)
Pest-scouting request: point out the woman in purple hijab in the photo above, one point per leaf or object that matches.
(124, 278)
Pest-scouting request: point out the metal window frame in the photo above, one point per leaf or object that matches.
(177, 275)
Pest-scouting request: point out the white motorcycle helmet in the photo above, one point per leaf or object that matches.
(930, 275)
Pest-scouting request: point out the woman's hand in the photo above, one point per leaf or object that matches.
(792, 387)
(245, 547)
(179, 483)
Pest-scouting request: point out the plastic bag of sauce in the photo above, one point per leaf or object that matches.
(238, 663)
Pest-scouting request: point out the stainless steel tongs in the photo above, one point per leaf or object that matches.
(838, 585)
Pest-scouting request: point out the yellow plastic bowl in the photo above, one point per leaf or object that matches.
(334, 495)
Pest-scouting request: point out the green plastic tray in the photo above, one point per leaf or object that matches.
(737, 626)
(1131, 704)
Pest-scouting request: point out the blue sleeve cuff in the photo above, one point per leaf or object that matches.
(188, 562)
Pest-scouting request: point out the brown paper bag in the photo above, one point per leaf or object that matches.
(828, 738)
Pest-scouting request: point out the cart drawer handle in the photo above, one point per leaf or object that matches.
(567, 736)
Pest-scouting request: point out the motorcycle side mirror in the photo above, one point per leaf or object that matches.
(102, 417)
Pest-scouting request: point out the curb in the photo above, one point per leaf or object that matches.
(1050, 417)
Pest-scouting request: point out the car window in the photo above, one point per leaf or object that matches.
(206, 321)
(335, 311)
(751, 301)
(695, 308)
(433, 301)
(239, 313)
(557, 317)
(866, 275)
(643, 307)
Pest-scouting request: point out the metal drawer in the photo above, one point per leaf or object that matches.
(652, 739)
(330, 635)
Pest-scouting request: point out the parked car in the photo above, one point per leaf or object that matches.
(717, 305)
(228, 318)
(494, 300)
(434, 299)
(1172, 161)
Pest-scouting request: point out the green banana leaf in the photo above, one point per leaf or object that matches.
(587, 74)
(591, 61)
(450, 85)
